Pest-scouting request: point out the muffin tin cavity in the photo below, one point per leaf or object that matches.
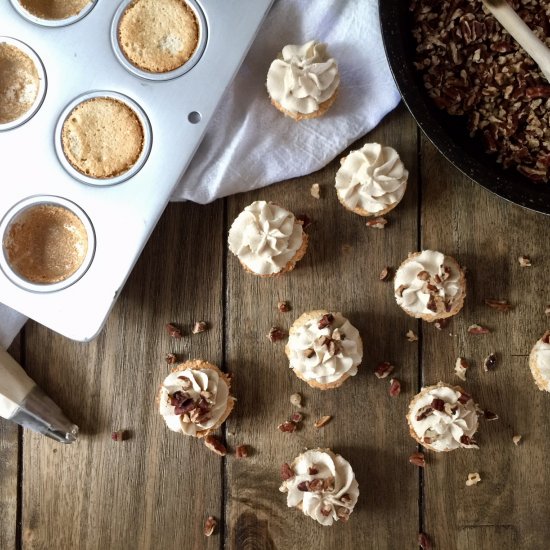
(22, 83)
(159, 39)
(48, 243)
(53, 13)
(103, 138)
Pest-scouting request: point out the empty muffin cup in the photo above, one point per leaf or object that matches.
(22, 83)
(158, 39)
(103, 138)
(48, 243)
(53, 13)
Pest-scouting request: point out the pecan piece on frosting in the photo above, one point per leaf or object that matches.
(286, 472)
(326, 320)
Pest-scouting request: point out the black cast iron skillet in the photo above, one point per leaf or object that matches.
(448, 133)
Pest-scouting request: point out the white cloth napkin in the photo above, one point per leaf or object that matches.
(249, 144)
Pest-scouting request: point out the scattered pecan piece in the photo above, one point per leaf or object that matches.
(411, 336)
(173, 330)
(296, 399)
(284, 307)
(424, 542)
(241, 451)
(323, 421)
(296, 417)
(277, 334)
(499, 305)
(386, 274)
(489, 415)
(286, 472)
(395, 387)
(119, 435)
(440, 324)
(377, 223)
(287, 427)
(305, 219)
(461, 366)
(215, 445)
(477, 329)
(171, 358)
(383, 369)
(524, 261)
(516, 439)
(199, 326)
(315, 191)
(473, 479)
(210, 526)
(490, 362)
(326, 320)
(418, 459)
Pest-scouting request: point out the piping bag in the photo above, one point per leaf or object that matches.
(24, 403)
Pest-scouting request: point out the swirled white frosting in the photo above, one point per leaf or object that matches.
(541, 357)
(339, 492)
(371, 178)
(443, 429)
(192, 382)
(265, 237)
(304, 78)
(414, 293)
(325, 354)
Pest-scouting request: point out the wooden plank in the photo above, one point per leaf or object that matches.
(9, 463)
(156, 489)
(368, 427)
(487, 235)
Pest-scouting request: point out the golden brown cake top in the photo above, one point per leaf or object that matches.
(54, 9)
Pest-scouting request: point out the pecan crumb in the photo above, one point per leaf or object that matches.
(315, 191)
(440, 324)
(296, 399)
(490, 362)
(277, 334)
(499, 305)
(524, 261)
(284, 307)
(119, 435)
(287, 427)
(241, 451)
(516, 439)
(473, 479)
(215, 445)
(383, 369)
(477, 329)
(418, 459)
(296, 417)
(489, 415)
(286, 472)
(200, 326)
(173, 330)
(461, 367)
(323, 421)
(377, 223)
(386, 274)
(395, 387)
(424, 542)
(171, 358)
(411, 336)
(210, 526)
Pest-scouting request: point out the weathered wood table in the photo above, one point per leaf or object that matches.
(156, 489)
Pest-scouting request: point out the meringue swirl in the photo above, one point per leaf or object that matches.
(443, 430)
(324, 486)
(304, 78)
(265, 237)
(206, 388)
(324, 354)
(371, 179)
(428, 283)
(540, 357)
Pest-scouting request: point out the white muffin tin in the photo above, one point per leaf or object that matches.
(80, 57)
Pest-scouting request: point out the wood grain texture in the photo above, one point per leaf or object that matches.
(156, 489)
(339, 272)
(9, 464)
(486, 234)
